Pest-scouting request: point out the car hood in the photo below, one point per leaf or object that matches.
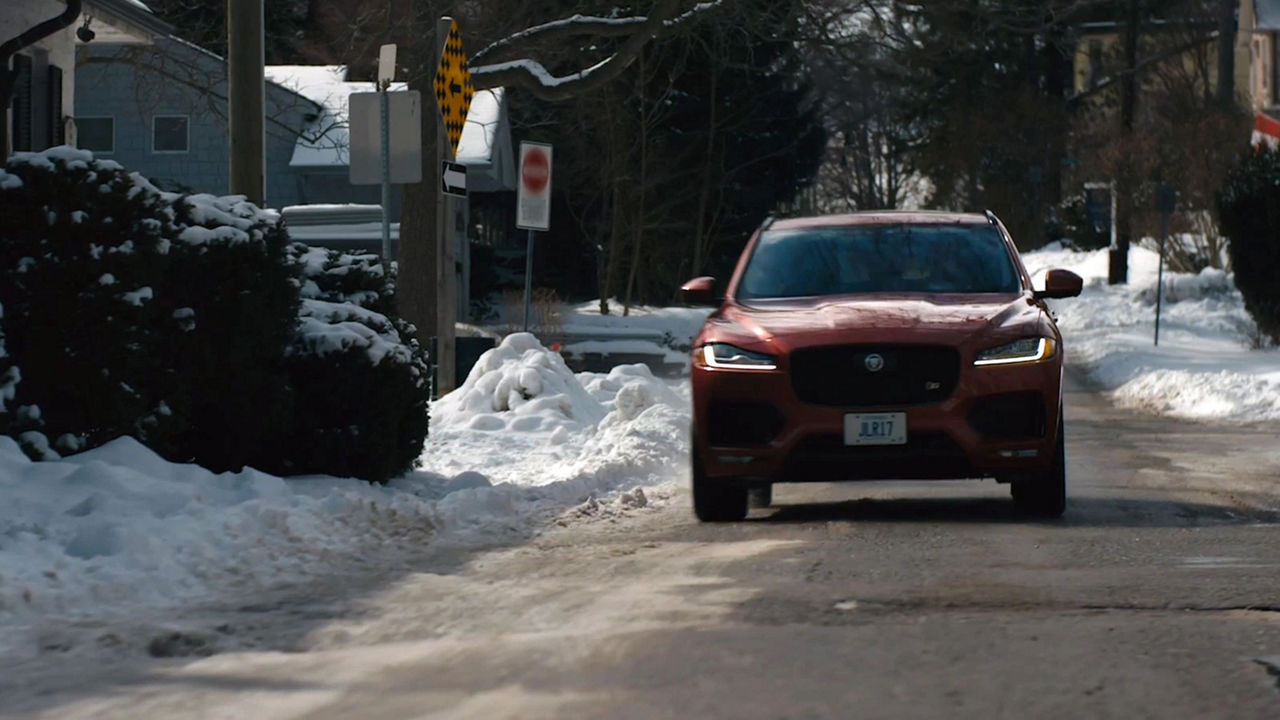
(878, 318)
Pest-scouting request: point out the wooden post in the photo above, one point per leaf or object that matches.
(246, 87)
(446, 279)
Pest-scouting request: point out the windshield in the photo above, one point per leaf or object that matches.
(877, 259)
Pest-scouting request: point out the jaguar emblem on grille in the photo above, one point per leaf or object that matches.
(874, 362)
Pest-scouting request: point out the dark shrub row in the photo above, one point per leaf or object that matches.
(1249, 207)
(180, 320)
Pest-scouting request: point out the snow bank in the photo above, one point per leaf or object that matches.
(117, 532)
(118, 527)
(1203, 368)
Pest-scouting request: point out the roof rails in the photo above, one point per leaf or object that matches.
(768, 221)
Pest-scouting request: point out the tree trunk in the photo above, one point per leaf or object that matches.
(615, 245)
(637, 235)
(1118, 270)
(701, 244)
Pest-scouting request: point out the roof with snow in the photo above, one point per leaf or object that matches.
(124, 21)
(485, 147)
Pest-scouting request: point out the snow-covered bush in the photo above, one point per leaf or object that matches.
(181, 320)
(137, 312)
(1249, 206)
(83, 245)
(360, 379)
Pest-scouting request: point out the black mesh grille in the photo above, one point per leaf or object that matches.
(1011, 416)
(907, 375)
(736, 424)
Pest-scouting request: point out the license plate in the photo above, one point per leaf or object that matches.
(875, 429)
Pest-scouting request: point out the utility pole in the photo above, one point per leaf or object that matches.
(1227, 52)
(246, 88)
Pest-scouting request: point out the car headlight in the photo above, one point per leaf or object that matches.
(1032, 349)
(724, 355)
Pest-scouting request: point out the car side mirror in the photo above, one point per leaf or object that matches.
(699, 291)
(1060, 284)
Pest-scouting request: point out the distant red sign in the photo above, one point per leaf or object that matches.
(533, 195)
(1266, 129)
(536, 170)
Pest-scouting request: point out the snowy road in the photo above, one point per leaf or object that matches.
(1156, 596)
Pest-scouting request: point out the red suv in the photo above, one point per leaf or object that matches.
(875, 346)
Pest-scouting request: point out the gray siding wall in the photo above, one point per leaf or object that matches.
(135, 84)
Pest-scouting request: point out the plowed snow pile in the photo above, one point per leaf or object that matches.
(524, 420)
(1204, 366)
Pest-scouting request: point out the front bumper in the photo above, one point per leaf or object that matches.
(954, 438)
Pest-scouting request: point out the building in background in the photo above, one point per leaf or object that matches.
(42, 110)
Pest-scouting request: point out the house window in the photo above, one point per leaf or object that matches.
(96, 133)
(170, 134)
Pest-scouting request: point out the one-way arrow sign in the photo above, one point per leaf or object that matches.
(453, 178)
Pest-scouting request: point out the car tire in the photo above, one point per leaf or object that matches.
(760, 496)
(1044, 494)
(714, 499)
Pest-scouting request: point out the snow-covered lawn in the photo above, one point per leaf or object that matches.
(1204, 366)
(118, 532)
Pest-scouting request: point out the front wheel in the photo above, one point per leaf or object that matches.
(1044, 494)
(714, 499)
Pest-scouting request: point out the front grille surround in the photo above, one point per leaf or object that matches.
(1010, 416)
(743, 424)
(839, 376)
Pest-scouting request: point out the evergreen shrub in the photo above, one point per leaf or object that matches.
(190, 323)
(359, 376)
(1249, 209)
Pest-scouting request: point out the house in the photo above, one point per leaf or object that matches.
(1257, 53)
(162, 110)
(41, 111)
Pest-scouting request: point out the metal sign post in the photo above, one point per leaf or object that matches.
(1166, 203)
(533, 206)
(385, 139)
(386, 72)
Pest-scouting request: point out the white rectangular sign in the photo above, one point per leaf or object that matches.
(533, 194)
(386, 63)
(365, 133)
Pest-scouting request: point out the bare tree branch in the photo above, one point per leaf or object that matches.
(533, 76)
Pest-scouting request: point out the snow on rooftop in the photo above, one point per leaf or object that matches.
(321, 84)
(325, 143)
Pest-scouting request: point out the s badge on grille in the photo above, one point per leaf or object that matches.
(874, 362)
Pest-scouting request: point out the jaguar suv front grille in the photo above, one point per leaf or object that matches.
(875, 375)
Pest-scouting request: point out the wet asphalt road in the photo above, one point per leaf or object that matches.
(1156, 596)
